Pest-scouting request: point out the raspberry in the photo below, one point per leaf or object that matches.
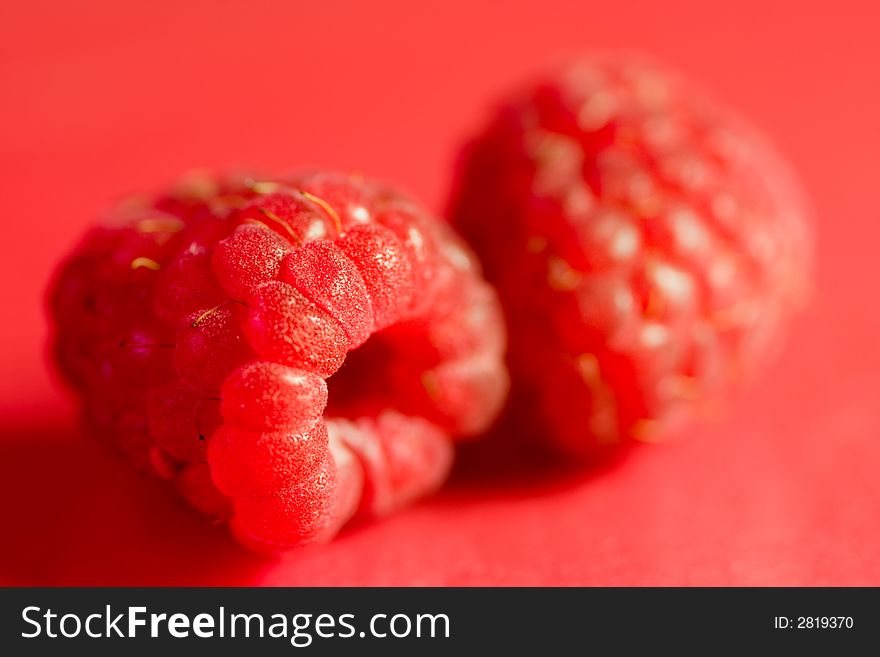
(290, 517)
(647, 245)
(398, 455)
(247, 259)
(380, 255)
(261, 396)
(210, 344)
(256, 464)
(333, 282)
(269, 346)
(180, 419)
(286, 327)
(195, 485)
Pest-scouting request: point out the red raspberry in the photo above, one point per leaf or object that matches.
(647, 246)
(200, 331)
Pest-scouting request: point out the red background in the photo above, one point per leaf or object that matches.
(105, 98)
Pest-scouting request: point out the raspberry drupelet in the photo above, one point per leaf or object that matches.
(648, 247)
(290, 354)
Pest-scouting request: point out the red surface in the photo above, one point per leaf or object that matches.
(102, 98)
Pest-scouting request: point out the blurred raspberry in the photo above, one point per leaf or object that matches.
(200, 330)
(647, 245)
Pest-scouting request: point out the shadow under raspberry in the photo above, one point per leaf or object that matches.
(74, 515)
(509, 463)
